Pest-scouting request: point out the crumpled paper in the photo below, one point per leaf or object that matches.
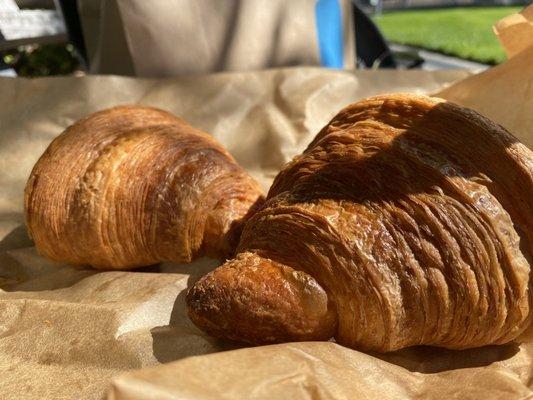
(327, 371)
(516, 31)
(66, 331)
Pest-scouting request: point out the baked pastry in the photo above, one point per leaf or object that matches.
(407, 221)
(133, 186)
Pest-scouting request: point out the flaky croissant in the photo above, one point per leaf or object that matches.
(407, 221)
(133, 186)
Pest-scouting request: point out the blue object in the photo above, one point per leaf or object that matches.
(329, 31)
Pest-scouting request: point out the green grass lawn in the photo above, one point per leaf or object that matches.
(462, 32)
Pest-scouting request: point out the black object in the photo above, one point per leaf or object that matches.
(373, 50)
(69, 9)
(371, 47)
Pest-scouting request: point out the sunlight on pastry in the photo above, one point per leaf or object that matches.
(135, 186)
(407, 221)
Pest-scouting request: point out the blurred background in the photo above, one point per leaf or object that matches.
(56, 37)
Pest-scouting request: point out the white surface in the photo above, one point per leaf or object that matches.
(20, 24)
(436, 61)
(9, 72)
(8, 5)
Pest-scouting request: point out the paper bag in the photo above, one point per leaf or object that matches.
(66, 331)
(327, 371)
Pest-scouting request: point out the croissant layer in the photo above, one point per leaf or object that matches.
(133, 186)
(415, 219)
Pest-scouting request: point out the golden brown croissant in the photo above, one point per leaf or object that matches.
(133, 186)
(406, 221)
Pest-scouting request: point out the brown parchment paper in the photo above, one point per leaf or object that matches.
(516, 31)
(66, 331)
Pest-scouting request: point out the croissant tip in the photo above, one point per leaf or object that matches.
(258, 301)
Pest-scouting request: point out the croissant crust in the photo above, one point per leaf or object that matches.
(407, 221)
(133, 186)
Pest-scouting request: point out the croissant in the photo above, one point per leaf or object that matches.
(134, 186)
(407, 221)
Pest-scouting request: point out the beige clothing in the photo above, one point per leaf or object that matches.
(174, 37)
